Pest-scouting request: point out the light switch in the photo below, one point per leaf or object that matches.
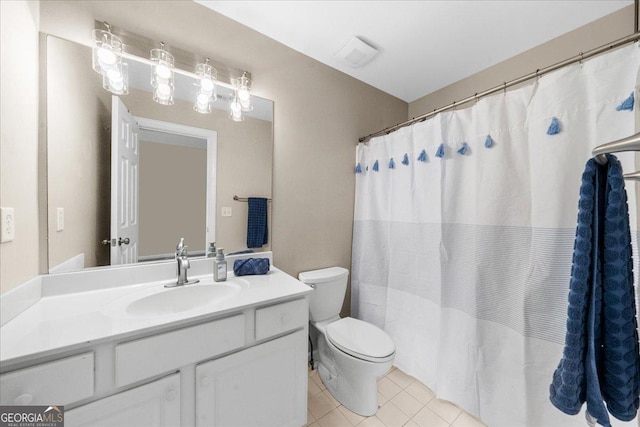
(60, 219)
(226, 211)
(7, 225)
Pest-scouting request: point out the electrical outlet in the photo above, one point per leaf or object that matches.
(7, 225)
(60, 219)
(226, 211)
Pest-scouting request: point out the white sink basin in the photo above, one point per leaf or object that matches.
(158, 301)
(180, 299)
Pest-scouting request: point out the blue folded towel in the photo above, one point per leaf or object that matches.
(257, 232)
(250, 266)
(601, 359)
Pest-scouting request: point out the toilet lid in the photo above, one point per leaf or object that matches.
(360, 339)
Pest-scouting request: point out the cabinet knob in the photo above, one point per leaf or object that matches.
(23, 399)
(171, 394)
(205, 381)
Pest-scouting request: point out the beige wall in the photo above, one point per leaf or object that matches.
(319, 115)
(78, 151)
(173, 194)
(596, 34)
(19, 138)
(244, 160)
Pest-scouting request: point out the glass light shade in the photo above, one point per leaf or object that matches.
(116, 80)
(162, 76)
(243, 92)
(162, 70)
(107, 51)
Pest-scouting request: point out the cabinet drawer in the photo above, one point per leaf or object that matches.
(146, 357)
(279, 318)
(61, 382)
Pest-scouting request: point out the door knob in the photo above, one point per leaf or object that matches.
(122, 241)
(108, 242)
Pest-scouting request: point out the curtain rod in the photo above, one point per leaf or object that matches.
(580, 57)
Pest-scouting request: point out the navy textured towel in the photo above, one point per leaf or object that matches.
(601, 358)
(257, 232)
(250, 266)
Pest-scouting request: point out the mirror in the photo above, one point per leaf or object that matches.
(190, 166)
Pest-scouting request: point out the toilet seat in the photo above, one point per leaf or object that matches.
(361, 339)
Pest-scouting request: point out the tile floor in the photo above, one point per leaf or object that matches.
(403, 401)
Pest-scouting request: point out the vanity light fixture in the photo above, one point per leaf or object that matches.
(107, 60)
(162, 75)
(114, 48)
(206, 87)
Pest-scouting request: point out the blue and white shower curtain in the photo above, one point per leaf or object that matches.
(465, 259)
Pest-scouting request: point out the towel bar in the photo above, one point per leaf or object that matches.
(631, 143)
(243, 199)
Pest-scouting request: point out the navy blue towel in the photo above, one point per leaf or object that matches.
(250, 266)
(601, 358)
(257, 232)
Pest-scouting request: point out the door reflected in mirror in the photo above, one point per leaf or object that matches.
(190, 166)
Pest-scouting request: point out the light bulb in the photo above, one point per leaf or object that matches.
(236, 116)
(114, 75)
(202, 100)
(117, 85)
(235, 106)
(106, 56)
(163, 71)
(243, 93)
(163, 91)
(206, 84)
(246, 104)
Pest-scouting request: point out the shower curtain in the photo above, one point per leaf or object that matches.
(463, 236)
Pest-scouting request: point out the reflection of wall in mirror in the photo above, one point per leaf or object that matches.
(245, 158)
(173, 186)
(78, 151)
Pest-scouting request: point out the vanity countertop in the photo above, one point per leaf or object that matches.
(70, 321)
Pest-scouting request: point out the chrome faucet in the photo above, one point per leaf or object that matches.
(183, 266)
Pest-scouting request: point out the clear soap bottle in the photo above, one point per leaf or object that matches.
(220, 266)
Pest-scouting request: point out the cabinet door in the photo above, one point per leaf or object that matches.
(154, 404)
(264, 386)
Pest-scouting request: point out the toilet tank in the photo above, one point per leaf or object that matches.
(330, 286)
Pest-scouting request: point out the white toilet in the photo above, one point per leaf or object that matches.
(351, 354)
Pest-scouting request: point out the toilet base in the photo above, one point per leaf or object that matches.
(352, 382)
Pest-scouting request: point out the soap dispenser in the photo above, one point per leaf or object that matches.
(211, 250)
(220, 266)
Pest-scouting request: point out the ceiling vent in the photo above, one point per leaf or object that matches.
(356, 53)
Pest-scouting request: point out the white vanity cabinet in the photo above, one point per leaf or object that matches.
(239, 368)
(261, 386)
(156, 404)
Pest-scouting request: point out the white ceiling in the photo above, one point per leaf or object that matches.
(423, 45)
